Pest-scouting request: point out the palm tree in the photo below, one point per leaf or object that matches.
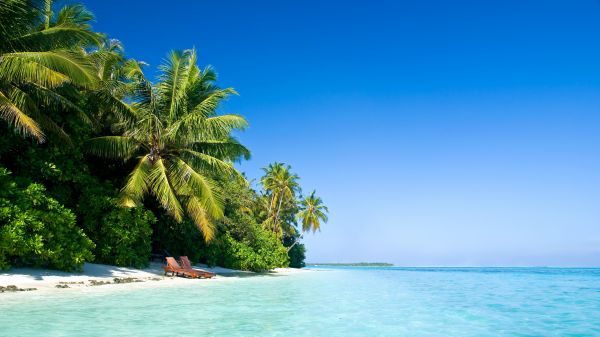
(282, 185)
(179, 142)
(312, 212)
(41, 59)
(118, 78)
(269, 184)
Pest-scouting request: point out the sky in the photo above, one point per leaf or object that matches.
(438, 133)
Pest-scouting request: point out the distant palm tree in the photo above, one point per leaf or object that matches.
(282, 185)
(269, 184)
(312, 212)
(179, 141)
(41, 58)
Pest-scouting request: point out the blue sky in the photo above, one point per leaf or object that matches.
(438, 132)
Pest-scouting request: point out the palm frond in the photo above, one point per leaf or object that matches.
(204, 162)
(189, 182)
(195, 127)
(137, 183)
(56, 100)
(163, 190)
(229, 149)
(112, 147)
(173, 80)
(64, 35)
(28, 100)
(49, 68)
(197, 212)
(19, 120)
(75, 14)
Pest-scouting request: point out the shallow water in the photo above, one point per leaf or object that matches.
(334, 302)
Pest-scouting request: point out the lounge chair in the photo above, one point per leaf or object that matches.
(187, 265)
(173, 267)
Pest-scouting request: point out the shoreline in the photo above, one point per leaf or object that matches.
(31, 281)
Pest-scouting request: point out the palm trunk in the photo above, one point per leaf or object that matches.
(295, 242)
(271, 204)
(277, 214)
(47, 13)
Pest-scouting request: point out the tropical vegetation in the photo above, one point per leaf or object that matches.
(99, 163)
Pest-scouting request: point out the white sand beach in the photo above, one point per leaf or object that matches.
(105, 277)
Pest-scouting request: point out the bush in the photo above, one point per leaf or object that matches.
(297, 256)
(122, 235)
(261, 253)
(35, 230)
(178, 239)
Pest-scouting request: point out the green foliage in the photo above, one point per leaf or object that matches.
(281, 188)
(297, 256)
(241, 243)
(73, 91)
(35, 230)
(124, 238)
(179, 142)
(122, 235)
(178, 238)
(312, 212)
(42, 64)
(263, 253)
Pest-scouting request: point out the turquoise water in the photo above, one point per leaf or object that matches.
(335, 302)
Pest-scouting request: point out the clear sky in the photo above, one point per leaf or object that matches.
(437, 132)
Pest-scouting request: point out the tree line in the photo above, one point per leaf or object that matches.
(99, 163)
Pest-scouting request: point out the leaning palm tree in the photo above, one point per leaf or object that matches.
(282, 185)
(179, 142)
(312, 212)
(41, 61)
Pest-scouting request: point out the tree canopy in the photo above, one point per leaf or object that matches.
(99, 163)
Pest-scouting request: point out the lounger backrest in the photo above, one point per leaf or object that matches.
(172, 262)
(185, 262)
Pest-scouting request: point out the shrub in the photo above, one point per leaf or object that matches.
(263, 252)
(122, 235)
(297, 256)
(36, 230)
(178, 239)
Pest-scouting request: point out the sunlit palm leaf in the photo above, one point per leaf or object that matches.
(112, 147)
(14, 116)
(162, 189)
(137, 183)
(48, 68)
(60, 36)
(209, 163)
(197, 212)
(189, 182)
(229, 149)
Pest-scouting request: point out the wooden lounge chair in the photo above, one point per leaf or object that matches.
(173, 267)
(187, 265)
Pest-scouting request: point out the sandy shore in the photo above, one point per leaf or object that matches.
(98, 276)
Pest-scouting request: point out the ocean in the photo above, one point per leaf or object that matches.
(333, 301)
